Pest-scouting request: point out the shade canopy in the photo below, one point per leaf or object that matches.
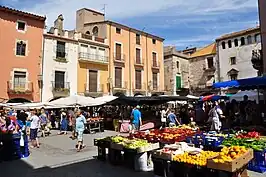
(34, 105)
(74, 100)
(252, 95)
(192, 97)
(249, 83)
(104, 100)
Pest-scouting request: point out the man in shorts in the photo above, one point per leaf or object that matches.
(34, 126)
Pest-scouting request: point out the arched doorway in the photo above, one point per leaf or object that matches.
(18, 100)
(118, 94)
(138, 94)
(55, 98)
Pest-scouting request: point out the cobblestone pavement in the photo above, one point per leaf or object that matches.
(57, 157)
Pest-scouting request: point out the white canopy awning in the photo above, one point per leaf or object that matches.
(252, 95)
(192, 97)
(104, 99)
(74, 100)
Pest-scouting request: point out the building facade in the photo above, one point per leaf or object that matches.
(234, 53)
(262, 14)
(202, 68)
(60, 63)
(135, 57)
(176, 71)
(93, 60)
(21, 55)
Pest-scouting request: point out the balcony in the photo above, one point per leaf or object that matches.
(60, 89)
(119, 59)
(86, 36)
(93, 91)
(60, 54)
(139, 63)
(155, 66)
(88, 57)
(18, 88)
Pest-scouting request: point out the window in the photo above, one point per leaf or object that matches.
(154, 81)
(21, 48)
(138, 39)
(138, 58)
(21, 26)
(19, 80)
(230, 44)
(59, 79)
(154, 41)
(154, 59)
(137, 79)
(93, 81)
(233, 77)
(210, 62)
(233, 60)
(249, 39)
(257, 38)
(95, 31)
(118, 48)
(118, 30)
(88, 33)
(242, 41)
(60, 49)
(118, 77)
(236, 42)
(223, 45)
(177, 67)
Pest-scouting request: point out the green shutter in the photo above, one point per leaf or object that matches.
(178, 82)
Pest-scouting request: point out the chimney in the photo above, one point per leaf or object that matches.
(58, 23)
(56, 31)
(66, 33)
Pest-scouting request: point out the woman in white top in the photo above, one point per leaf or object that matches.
(214, 117)
(163, 117)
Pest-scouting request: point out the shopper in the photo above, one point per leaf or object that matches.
(63, 124)
(215, 115)
(163, 117)
(172, 119)
(34, 126)
(136, 116)
(44, 121)
(80, 127)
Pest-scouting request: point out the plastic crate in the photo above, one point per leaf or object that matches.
(161, 167)
(213, 142)
(255, 168)
(258, 164)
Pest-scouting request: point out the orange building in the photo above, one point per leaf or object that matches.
(135, 57)
(21, 55)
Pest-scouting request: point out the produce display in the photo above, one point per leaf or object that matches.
(129, 143)
(228, 154)
(95, 119)
(166, 135)
(195, 158)
(255, 144)
(248, 134)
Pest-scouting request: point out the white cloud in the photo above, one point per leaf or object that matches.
(119, 9)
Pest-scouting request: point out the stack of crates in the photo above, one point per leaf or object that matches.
(258, 164)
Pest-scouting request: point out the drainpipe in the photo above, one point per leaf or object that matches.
(147, 65)
(129, 64)
(110, 57)
(41, 83)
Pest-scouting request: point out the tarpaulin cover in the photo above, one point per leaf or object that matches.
(249, 83)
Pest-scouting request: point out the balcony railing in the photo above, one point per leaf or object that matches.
(98, 39)
(93, 57)
(61, 87)
(119, 57)
(138, 86)
(86, 36)
(99, 88)
(121, 85)
(155, 65)
(19, 87)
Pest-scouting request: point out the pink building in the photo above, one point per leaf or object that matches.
(262, 11)
(21, 55)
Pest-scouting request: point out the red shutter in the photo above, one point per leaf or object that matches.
(118, 77)
(93, 83)
(138, 56)
(138, 79)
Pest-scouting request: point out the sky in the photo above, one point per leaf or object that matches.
(182, 23)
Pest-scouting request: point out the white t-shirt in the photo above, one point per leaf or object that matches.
(35, 122)
(163, 116)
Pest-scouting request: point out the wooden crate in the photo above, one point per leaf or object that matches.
(116, 146)
(233, 166)
(162, 155)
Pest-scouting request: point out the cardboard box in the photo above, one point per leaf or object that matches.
(233, 166)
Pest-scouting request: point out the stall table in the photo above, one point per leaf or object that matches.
(95, 125)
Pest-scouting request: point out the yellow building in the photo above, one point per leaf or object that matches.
(93, 60)
(135, 57)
